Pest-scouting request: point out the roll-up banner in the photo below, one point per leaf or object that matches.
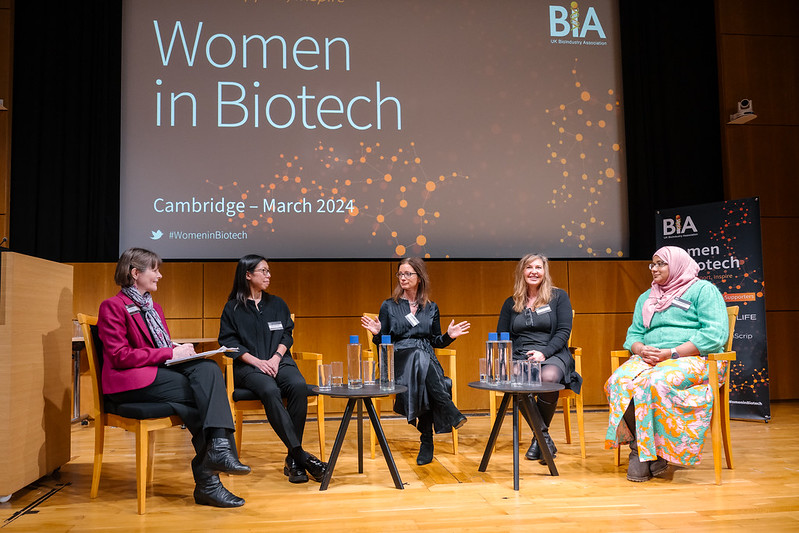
(724, 238)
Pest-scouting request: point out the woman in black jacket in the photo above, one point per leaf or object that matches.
(412, 321)
(259, 324)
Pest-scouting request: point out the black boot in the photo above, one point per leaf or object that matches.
(209, 490)
(547, 406)
(425, 426)
(221, 457)
(533, 452)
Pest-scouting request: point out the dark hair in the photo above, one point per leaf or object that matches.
(423, 289)
(137, 258)
(241, 286)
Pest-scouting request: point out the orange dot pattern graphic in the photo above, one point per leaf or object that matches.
(588, 161)
(405, 193)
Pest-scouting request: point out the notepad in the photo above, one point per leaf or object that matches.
(202, 355)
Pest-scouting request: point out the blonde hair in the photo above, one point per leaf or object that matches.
(423, 289)
(520, 285)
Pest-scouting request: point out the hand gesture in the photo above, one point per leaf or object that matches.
(456, 330)
(372, 324)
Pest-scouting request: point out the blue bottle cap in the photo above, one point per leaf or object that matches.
(504, 336)
(354, 339)
(385, 339)
(492, 335)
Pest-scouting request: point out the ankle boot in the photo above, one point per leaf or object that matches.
(638, 470)
(210, 491)
(533, 452)
(658, 467)
(221, 457)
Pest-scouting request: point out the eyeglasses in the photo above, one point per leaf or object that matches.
(401, 275)
(659, 264)
(264, 271)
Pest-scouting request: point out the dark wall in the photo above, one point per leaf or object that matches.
(65, 143)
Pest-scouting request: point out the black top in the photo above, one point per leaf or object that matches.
(393, 322)
(546, 329)
(257, 330)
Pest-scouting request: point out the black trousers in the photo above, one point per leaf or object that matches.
(288, 421)
(196, 391)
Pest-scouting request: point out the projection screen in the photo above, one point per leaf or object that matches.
(309, 129)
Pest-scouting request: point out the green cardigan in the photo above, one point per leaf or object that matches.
(704, 323)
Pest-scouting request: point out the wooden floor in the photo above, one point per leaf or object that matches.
(762, 493)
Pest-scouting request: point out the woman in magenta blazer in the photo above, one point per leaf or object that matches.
(136, 344)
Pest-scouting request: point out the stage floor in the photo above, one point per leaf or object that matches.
(761, 493)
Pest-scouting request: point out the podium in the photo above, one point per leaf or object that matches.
(35, 369)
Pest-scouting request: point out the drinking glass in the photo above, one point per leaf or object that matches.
(337, 376)
(535, 373)
(368, 372)
(482, 366)
(325, 377)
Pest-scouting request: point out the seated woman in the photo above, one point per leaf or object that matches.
(539, 319)
(660, 400)
(412, 320)
(136, 343)
(259, 324)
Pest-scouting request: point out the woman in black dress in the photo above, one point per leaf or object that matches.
(539, 319)
(412, 320)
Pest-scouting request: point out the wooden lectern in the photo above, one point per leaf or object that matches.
(35, 368)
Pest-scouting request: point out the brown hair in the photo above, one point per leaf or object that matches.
(423, 289)
(137, 258)
(520, 285)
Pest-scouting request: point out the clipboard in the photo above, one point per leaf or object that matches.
(202, 355)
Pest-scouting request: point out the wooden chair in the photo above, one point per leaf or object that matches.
(142, 419)
(452, 372)
(565, 396)
(720, 419)
(242, 400)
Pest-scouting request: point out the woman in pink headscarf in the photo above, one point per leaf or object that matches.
(660, 400)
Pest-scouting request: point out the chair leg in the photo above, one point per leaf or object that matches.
(715, 421)
(454, 441)
(150, 455)
(578, 401)
(725, 426)
(99, 441)
(239, 415)
(320, 422)
(617, 456)
(141, 466)
(567, 418)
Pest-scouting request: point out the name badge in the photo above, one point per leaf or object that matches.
(132, 309)
(682, 304)
(275, 326)
(543, 309)
(411, 318)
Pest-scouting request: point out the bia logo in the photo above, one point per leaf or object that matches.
(678, 226)
(562, 22)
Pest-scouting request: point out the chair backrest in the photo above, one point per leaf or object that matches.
(732, 318)
(91, 339)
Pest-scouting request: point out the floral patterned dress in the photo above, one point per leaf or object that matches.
(673, 400)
